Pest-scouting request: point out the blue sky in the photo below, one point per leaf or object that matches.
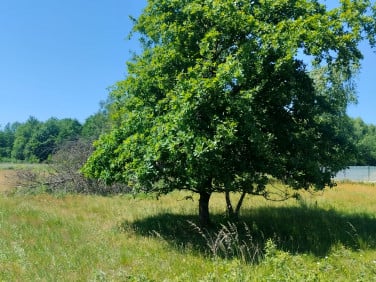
(57, 58)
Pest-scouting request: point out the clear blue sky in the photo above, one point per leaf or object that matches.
(57, 58)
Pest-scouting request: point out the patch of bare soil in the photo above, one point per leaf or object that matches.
(8, 180)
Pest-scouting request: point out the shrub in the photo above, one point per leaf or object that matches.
(65, 173)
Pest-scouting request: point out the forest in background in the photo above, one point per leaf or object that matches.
(64, 145)
(36, 141)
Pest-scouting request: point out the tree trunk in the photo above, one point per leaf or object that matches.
(230, 209)
(240, 202)
(203, 211)
(234, 214)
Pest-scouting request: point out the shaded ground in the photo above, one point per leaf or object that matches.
(8, 180)
(293, 229)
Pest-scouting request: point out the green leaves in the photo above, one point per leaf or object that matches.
(222, 92)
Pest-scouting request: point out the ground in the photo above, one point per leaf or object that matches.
(8, 179)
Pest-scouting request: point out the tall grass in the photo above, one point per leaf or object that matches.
(229, 242)
(124, 238)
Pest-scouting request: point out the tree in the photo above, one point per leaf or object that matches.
(22, 136)
(52, 134)
(36, 141)
(223, 97)
(94, 126)
(7, 140)
(98, 123)
(69, 130)
(365, 142)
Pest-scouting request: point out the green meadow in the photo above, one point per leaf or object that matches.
(320, 237)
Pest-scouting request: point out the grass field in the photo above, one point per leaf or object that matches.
(326, 237)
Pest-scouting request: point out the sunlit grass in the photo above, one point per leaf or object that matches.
(13, 165)
(325, 237)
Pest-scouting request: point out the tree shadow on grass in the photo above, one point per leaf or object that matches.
(293, 229)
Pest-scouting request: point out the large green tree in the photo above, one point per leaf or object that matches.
(228, 93)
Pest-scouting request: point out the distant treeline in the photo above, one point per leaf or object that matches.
(364, 139)
(36, 141)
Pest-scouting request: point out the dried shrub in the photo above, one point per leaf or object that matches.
(65, 173)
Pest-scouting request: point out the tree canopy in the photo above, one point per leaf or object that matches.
(36, 141)
(226, 94)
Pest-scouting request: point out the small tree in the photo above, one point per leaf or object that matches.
(221, 98)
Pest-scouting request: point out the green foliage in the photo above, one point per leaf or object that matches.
(23, 134)
(94, 126)
(7, 140)
(365, 142)
(98, 123)
(221, 97)
(35, 140)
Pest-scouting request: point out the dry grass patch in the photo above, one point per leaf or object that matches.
(8, 180)
(347, 197)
